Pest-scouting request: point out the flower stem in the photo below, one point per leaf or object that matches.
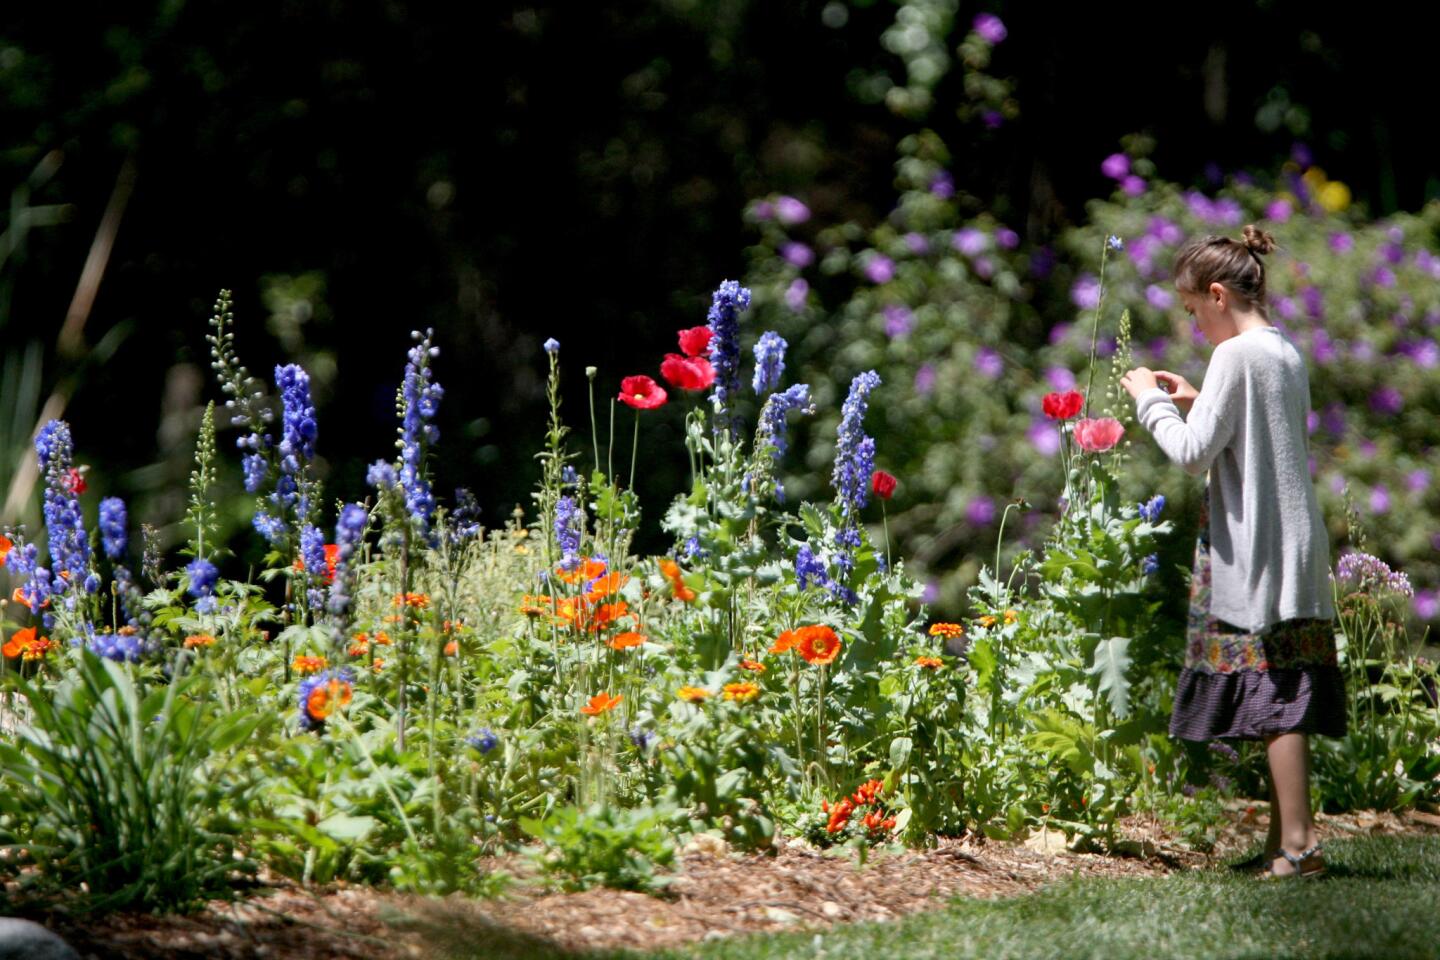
(1095, 327)
(634, 449)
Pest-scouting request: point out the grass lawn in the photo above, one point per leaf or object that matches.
(1381, 900)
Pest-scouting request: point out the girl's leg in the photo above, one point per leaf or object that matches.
(1272, 836)
(1289, 757)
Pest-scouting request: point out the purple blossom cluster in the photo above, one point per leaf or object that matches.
(314, 682)
(769, 362)
(772, 429)
(854, 464)
(726, 304)
(64, 521)
(113, 536)
(203, 576)
(567, 532)
(484, 740)
(1150, 509)
(312, 552)
(23, 563)
(349, 531)
(420, 399)
(1369, 574)
(120, 647)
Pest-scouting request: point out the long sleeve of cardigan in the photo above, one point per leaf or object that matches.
(1195, 441)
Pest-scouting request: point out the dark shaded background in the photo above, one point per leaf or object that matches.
(505, 173)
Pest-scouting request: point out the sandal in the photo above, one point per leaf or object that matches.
(1298, 863)
(1253, 863)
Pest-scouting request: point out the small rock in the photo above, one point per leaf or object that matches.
(1046, 840)
(777, 915)
(831, 909)
(25, 940)
(708, 845)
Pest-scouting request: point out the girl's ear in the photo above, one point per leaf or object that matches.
(1219, 294)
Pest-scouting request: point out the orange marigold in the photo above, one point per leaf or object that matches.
(452, 648)
(947, 630)
(359, 648)
(199, 640)
(989, 620)
(419, 600)
(741, 692)
(533, 606)
(599, 704)
(693, 694)
(377, 664)
(382, 638)
(1011, 616)
(606, 585)
(754, 666)
(818, 644)
(930, 663)
(671, 570)
(623, 641)
(303, 665)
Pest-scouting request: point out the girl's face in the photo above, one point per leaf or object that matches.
(1211, 312)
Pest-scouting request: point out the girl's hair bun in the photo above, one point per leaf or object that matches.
(1258, 241)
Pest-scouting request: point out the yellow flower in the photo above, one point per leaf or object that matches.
(950, 630)
(1334, 196)
(692, 694)
(741, 692)
(987, 621)
(1011, 616)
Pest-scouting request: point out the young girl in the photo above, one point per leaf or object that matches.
(1260, 662)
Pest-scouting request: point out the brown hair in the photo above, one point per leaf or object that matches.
(1234, 263)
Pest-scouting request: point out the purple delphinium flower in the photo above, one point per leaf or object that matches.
(771, 431)
(925, 378)
(120, 647)
(203, 575)
(349, 531)
(113, 536)
(790, 211)
(796, 294)
(970, 241)
(980, 511)
(1150, 509)
(769, 361)
(381, 475)
(1424, 353)
(1158, 297)
(797, 254)
(879, 269)
(899, 321)
(854, 464)
(23, 563)
(988, 363)
(567, 532)
(726, 304)
(1043, 437)
(312, 554)
(1116, 166)
(484, 740)
(420, 399)
(64, 520)
(1383, 276)
(1150, 565)
(810, 569)
(990, 28)
(1314, 301)
(1085, 293)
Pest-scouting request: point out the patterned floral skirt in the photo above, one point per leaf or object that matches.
(1248, 686)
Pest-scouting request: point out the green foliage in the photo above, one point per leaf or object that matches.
(123, 785)
(604, 845)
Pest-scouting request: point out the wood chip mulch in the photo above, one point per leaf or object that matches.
(715, 894)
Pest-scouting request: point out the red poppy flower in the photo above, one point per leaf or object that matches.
(687, 373)
(75, 481)
(695, 341)
(641, 392)
(883, 484)
(5, 547)
(1062, 406)
(1097, 436)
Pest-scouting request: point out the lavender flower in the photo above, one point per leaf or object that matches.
(1114, 243)
(899, 321)
(484, 741)
(112, 527)
(797, 254)
(790, 211)
(725, 305)
(203, 575)
(769, 361)
(1224, 750)
(1150, 509)
(567, 532)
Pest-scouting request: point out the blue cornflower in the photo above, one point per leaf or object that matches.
(419, 403)
(771, 432)
(1151, 564)
(349, 531)
(112, 527)
(336, 686)
(64, 521)
(484, 741)
(1150, 509)
(124, 648)
(552, 345)
(725, 305)
(769, 361)
(203, 575)
(1115, 243)
(567, 532)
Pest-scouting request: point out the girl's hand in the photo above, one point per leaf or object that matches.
(1139, 380)
(1179, 388)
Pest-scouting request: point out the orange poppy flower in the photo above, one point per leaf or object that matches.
(608, 613)
(839, 816)
(606, 585)
(419, 600)
(754, 666)
(741, 692)
(19, 597)
(818, 644)
(584, 572)
(693, 694)
(303, 665)
(623, 641)
(5, 547)
(671, 571)
(327, 698)
(947, 630)
(452, 648)
(877, 822)
(867, 792)
(930, 663)
(20, 641)
(785, 642)
(199, 640)
(599, 704)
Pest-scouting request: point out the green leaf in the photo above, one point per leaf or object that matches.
(900, 752)
(1112, 659)
(345, 828)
